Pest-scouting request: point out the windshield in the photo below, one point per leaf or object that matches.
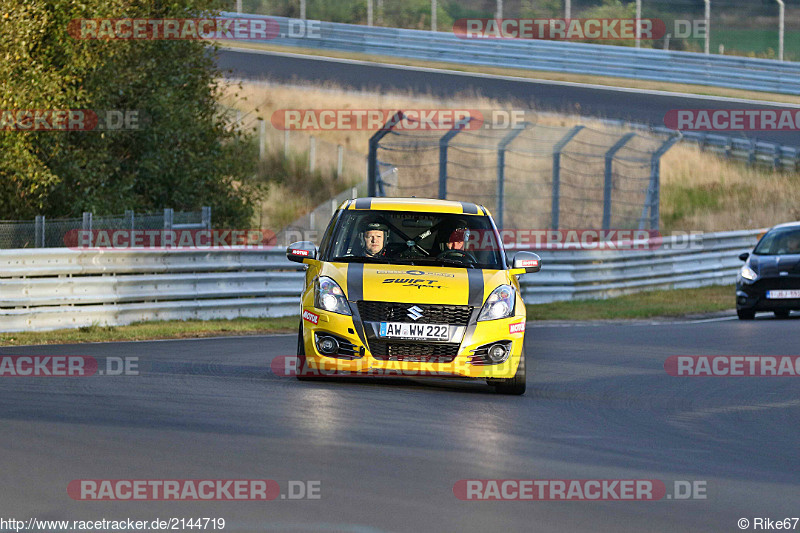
(782, 241)
(416, 238)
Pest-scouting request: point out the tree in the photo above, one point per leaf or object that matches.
(184, 154)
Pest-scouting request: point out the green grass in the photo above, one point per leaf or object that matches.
(649, 304)
(172, 329)
(755, 42)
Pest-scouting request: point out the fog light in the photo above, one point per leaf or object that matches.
(327, 345)
(497, 352)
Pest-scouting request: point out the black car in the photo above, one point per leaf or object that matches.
(770, 277)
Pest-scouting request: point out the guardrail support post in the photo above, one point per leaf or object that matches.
(501, 169)
(653, 200)
(39, 232)
(555, 205)
(372, 158)
(609, 181)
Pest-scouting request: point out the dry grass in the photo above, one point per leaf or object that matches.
(699, 191)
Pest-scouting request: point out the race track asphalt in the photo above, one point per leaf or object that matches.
(388, 451)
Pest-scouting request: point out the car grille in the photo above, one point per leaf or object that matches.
(455, 315)
(414, 351)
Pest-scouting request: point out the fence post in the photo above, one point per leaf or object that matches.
(205, 214)
(444, 142)
(39, 232)
(653, 200)
(501, 169)
(262, 139)
(168, 214)
(609, 182)
(86, 226)
(312, 153)
(555, 199)
(372, 158)
(286, 144)
(339, 160)
(129, 220)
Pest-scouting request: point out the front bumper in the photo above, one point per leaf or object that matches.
(753, 296)
(459, 357)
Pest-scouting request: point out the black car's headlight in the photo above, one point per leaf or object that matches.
(748, 273)
(499, 304)
(329, 296)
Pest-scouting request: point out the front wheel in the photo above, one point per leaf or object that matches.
(515, 385)
(745, 314)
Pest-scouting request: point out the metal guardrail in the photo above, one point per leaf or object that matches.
(53, 288)
(570, 57)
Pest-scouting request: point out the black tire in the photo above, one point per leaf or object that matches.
(515, 385)
(781, 313)
(301, 356)
(745, 314)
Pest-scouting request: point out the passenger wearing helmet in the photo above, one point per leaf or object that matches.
(454, 236)
(373, 239)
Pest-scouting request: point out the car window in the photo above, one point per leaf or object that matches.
(782, 241)
(417, 238)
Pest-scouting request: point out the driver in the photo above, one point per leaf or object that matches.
(456, 235)
(791, 245)
(374, 235)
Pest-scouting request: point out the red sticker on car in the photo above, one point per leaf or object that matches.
(311, 317)
(529, 263)
(299, 252)
(519, 327)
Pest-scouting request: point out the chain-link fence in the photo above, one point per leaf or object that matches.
(530, 175)
(55, 232)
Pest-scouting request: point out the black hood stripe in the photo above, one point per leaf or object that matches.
(364, 203)
(475, 277)
(355, 282)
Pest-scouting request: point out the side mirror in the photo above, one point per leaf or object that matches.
(297, 251)
(744, 256)
(529, 262)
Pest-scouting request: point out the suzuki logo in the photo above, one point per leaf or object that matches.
(414, 313)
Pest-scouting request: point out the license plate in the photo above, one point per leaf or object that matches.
(428, 332)
(783, 295)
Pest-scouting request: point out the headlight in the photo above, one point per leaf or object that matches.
(748, 273)
(329, 296)
(499, 304)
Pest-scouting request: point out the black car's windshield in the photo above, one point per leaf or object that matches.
(780, 241)
(416, 238)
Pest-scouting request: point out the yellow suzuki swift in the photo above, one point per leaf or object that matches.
(412, 287)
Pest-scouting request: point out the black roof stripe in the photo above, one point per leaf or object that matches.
(469, 208)
(364, 203)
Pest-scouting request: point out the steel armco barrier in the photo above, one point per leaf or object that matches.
(57, 288)
(571, 57)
